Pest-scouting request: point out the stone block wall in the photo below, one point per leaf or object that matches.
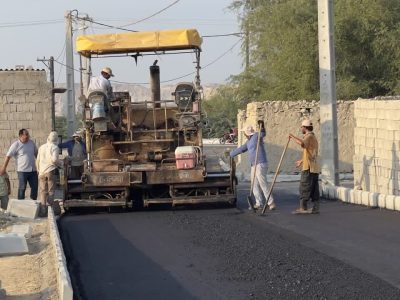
(284, 117)
(377, 145)
(25, 96)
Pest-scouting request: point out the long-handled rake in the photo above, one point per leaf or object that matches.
(276, 175)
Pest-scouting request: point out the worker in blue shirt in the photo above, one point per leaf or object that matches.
(77, 154)
(260, 167)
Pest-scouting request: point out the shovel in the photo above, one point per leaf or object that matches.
(249, 198)
(276, 175)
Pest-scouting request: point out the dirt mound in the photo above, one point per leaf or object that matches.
(31, 276)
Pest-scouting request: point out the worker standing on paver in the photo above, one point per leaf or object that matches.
(47, 162)
(102, 84)
(77, 153)
(24, 152)
(260, 167)
(309, 188)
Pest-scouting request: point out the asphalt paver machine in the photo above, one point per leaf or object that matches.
(146, 151)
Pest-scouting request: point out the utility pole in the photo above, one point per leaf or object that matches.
(50, 66)
(85, 65)
(328, 106)
(70, 82)
(247, 8)
(247, 48)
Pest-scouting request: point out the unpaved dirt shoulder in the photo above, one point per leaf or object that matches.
(33, 275)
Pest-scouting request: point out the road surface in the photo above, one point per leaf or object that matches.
(346, 252)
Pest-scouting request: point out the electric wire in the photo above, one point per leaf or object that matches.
(61, 67)
(188, 74)
(224, 34)
(29, 23)
(62, 51)
(105, 25)
(155, 14)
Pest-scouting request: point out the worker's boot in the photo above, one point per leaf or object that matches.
(56, 208)
(302, 209)
(42, 210)
(315, 208)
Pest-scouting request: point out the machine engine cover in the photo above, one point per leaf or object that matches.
(188, 120)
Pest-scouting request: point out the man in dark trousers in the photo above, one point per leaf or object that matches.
(309, 188)
(24, 152)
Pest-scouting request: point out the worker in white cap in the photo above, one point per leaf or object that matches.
(309, 188)
(47, 162)
(101, 83)
(77, 154)
(260, 188)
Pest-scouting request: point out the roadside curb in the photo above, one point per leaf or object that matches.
(360, 197)
(64, 286)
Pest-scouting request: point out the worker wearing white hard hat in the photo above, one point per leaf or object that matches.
(309, 188)
(77, 154)
(102, 84)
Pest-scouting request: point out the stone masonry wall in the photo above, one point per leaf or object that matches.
(25, 97)
(377, 145)
(284, 117)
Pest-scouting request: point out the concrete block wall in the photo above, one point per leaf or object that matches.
(284, 117)
(25, 102)
(377, 145)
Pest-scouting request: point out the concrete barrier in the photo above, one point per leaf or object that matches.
(390, 202)
(360, 197)
(23, 208)
(65, 291)
(382, 201)
(12, 244)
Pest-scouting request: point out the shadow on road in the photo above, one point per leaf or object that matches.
(105, 267)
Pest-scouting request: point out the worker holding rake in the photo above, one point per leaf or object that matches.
(309, 188)
(259, 165)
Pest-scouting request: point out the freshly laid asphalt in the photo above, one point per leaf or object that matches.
(346, 252)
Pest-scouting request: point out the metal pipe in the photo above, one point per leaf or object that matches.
(155, 85)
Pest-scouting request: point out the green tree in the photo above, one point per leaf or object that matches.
(221, 110)
(61, 126)
(284, 48)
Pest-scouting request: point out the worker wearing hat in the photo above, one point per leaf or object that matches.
(260, 183)
(309, 188)
(47, 162)
(101, 83)
(77, 153)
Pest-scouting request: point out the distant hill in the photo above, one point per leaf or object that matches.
(137, 92)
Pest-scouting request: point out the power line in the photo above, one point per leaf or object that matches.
(62, 51)
(156, 13)
(222, 55)
(63, 64)
(224, 34)
(30, 23)
(133, 23)
(188, 74)
(105, 25)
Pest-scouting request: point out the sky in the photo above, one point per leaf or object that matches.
(22, 42)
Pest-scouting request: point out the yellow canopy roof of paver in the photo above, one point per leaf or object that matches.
(176, 39)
